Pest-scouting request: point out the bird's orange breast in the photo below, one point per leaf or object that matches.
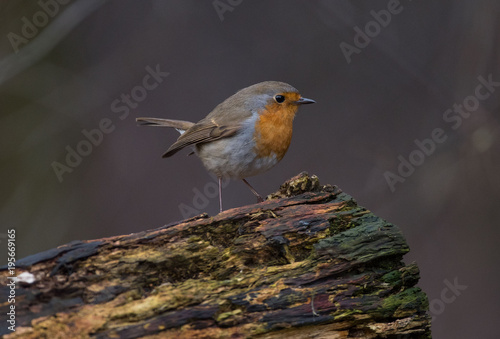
(273, 130)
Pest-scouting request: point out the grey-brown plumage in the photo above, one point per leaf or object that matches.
(234, 140)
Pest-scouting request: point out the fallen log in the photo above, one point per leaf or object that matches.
(307, 262)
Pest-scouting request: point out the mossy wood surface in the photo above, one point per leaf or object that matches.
(306, 263)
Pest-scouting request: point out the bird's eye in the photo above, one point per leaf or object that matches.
(279, 98)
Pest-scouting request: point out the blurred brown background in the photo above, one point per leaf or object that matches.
(76, 64)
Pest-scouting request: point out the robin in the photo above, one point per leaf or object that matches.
(246, 134)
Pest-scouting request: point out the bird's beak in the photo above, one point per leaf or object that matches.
(303, 101)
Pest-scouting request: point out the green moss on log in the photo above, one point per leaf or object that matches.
(307, 260)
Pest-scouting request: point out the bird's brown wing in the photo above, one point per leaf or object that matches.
(204, 131)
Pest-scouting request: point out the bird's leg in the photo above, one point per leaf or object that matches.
(259, 198)
(220, 193)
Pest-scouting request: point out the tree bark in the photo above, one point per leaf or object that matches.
(306, 263)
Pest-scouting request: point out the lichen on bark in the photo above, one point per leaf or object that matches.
(307, 261)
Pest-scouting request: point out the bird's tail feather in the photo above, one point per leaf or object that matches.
(179, 125)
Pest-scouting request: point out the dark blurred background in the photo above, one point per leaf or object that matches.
(71, 67)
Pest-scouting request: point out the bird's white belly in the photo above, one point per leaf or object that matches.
(235, 157)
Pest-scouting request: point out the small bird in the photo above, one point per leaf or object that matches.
(245, 135)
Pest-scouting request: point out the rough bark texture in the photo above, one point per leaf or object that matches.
(307, 263)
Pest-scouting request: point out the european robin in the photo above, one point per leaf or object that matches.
(246, 134)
